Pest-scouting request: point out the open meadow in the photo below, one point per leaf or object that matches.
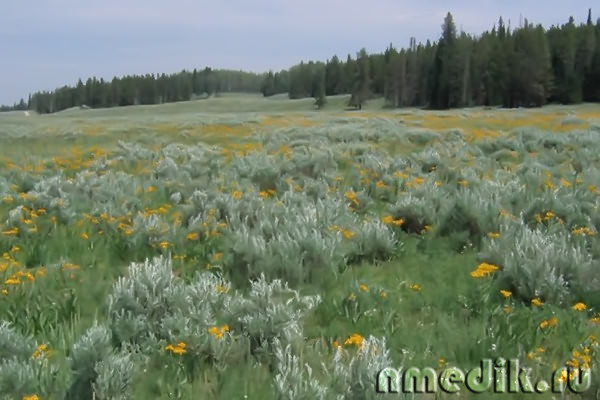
(249, 248)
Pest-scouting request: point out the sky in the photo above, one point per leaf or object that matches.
(45, 44)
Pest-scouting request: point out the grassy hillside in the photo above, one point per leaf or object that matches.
(145, 250)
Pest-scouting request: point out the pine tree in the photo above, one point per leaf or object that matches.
(446, 85)
(320, 99)
(360, 90)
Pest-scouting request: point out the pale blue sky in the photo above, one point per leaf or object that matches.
(48, 43)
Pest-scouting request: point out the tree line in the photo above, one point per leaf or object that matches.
(141, 89)
(525, 66)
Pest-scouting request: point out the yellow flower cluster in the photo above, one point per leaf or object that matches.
(8, 260)
(580, 359)
(192, 236)
(538, 352)
(549, 323)
(547, 216)
(41, 351)
(221, 289)
(389, 220)
(179, 348)
(483, 270)
(218, 332)
(352, 197)
(354, 340)
(162, 210)
(11, 232)
(265, 194)
(584, 231)
(15, 279)
(347, 233)
(537, 302)
(415, 287)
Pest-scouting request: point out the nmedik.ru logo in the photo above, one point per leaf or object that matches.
(503, 376)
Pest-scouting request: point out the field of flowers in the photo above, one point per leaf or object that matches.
(292, 255)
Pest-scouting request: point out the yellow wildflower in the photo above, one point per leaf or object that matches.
(388, 219)
(39, 351)
(579, 307)
(493, 235)
(565, 183)
(218, 332)
(483, 270)
(506, 293)
(507, 309)
(84, 236)
(380, 184)
(178, 349)
(548, 323)
(398, 222)
(192, 236)
(165, 244)
(537, 302)
(583, 231)
(32, 397)
(348, 234)
(354, 340)
(221, 289)
(236, 195)
(11, 232)
(363, 288)
(352, 197)
(383, 294)
(416, 287)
